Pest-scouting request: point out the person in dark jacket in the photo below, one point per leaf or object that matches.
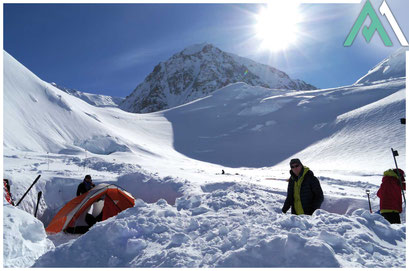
(390, 195)
(304, 193)
(85, 186)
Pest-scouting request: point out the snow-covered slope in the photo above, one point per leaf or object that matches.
(92, 99)
(196, 72)
(245, 126)
(363, 136)
(40, 117)
(393, 66)
(187, 213)
(274, 125)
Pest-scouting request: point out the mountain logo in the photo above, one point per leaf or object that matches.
(376, 25)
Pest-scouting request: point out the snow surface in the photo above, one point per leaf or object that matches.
(393, 66)
(263, 118)
(93, 99)
(234, 227)
(187, 213)
(24, 237)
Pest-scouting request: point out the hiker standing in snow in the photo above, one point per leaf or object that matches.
(85, 186)
(390, 195)
(304, 193)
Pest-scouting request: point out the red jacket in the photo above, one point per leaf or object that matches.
(6, 191)
(389, 193)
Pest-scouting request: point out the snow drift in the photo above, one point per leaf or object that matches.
(24, 238)
(235, 227)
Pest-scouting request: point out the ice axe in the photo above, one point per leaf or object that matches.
(369, 201)
(395, 153)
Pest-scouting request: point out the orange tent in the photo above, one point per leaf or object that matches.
(100, 203)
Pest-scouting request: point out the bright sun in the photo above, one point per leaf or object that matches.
(277, 25)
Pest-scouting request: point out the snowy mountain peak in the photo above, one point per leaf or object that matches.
(197, 71)
(197, 48)
(391, 67)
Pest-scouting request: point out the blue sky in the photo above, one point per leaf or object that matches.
(110, 48)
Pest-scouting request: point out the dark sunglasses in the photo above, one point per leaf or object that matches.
(295, 166)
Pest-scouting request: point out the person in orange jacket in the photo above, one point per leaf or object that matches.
(390, 195)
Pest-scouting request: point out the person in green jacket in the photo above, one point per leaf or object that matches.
(304, 193)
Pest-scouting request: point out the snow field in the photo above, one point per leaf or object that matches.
(232, 225)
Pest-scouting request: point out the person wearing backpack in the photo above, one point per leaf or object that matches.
(390, 195)
(304, 193)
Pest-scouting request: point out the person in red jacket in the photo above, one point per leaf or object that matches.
(390, 195)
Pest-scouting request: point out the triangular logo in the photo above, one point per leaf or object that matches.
(368, 32)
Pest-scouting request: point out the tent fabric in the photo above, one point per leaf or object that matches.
(101, 202)
(110, 208)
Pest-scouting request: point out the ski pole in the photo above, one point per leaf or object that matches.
(38, 201)
(369, 201)
(38, 177)
(395, 153)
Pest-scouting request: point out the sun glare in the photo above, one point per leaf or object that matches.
(277, 25)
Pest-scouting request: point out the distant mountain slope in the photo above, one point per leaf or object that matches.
(238, 126)
(92, 99)
(196, 72)
(245, 126)
(392, 67)
(39, 117)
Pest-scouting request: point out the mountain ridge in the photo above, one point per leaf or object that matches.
(93, 99)
(197, 71)
(394, 66)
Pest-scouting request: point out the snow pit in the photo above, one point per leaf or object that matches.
(57, 193)
(151, 189)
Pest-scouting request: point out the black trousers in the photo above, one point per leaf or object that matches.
(393, 218)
